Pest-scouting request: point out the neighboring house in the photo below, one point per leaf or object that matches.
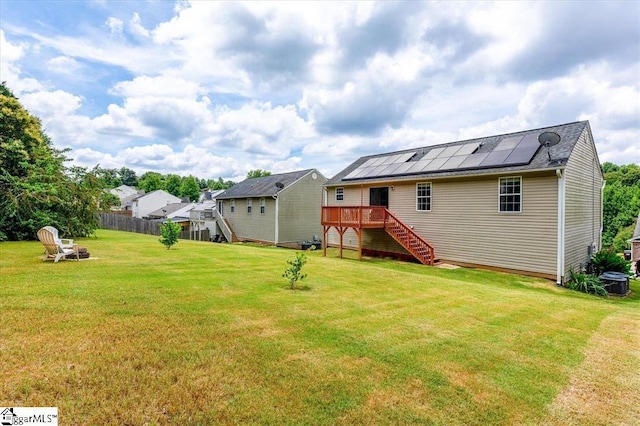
(282, 209)
(202, 218)
(505, 202)
(172, 211)
(142, 205)
(126, 194)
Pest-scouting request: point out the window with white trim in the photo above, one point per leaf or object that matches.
(423, 196)
(340, 194)
(510, 194)
(263, 205)
(233, 206)
(249, 205)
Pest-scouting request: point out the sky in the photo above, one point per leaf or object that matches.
(215, 89)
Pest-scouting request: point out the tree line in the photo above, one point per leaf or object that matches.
(37, 188)
(621, 204)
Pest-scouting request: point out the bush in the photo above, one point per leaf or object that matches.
(586, 283)
(294, 272)
(609, 260)
(169, 232)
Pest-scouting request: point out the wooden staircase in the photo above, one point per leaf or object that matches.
(361, 217)
(409, 239)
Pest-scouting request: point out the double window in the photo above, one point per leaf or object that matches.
(510, 194)
(423, 196)
(340, 194)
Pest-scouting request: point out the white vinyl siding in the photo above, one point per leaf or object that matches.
(510, 194)
(423, 196)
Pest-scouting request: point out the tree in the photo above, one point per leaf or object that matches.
(36, 189)
(150, 181)
(621, 202)
(172, 185)
(128, 177)
(257, 173)
(293, 273)
(169, 232)
(190, 189)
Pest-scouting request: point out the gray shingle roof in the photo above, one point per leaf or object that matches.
(262, 186)
(569, 133)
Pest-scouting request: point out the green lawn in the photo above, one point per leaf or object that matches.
(208, 333)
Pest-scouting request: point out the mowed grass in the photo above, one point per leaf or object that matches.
(209, 334)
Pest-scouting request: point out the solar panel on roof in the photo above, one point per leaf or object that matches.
(495, 158)
(404, 167)
(508, 143)
(449, 151)
(453, 162)
(473, 160)
(389, 169)
(435, 164)
(433, 153)
(468, 148)
(369, 162)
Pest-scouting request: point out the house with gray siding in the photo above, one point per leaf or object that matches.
(282, 209)
(527, 202)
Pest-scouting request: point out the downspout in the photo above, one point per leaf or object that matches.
(561, 230)
(604, 183)
(275, 240)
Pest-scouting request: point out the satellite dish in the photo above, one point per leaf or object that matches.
(548, 139)
(279, 185)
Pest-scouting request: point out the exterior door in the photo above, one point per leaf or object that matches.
(379, 197)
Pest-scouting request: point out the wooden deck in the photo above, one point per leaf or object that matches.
(366, 217)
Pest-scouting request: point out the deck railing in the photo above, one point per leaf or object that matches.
(379, 217)
(354, 216)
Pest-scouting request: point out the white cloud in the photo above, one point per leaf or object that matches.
(115, 25)
(136, 27)
(63, 65)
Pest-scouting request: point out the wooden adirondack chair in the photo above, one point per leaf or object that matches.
(54, 249)
(65, 242)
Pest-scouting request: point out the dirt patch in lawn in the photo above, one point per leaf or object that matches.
(604, 389)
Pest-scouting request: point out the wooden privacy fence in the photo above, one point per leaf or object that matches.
(119, 222)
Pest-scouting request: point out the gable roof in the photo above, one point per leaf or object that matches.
(165, 211)
(155, 192)
(539, 158)
(263, 186)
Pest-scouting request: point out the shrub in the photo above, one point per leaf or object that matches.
(169, 232)
(609, 260)
(586, 283)
(294, 272)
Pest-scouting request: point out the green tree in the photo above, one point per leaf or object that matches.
(293, 273)
(173, 184)
(36, 189)
(169, 232)
(150, 181)
(109, 178)
(128, 177)
(190, 189)
(257, 173)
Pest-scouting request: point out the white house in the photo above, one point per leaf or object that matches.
(126, 194)
(145, 204)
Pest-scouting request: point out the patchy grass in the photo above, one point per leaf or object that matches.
(207, 333)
